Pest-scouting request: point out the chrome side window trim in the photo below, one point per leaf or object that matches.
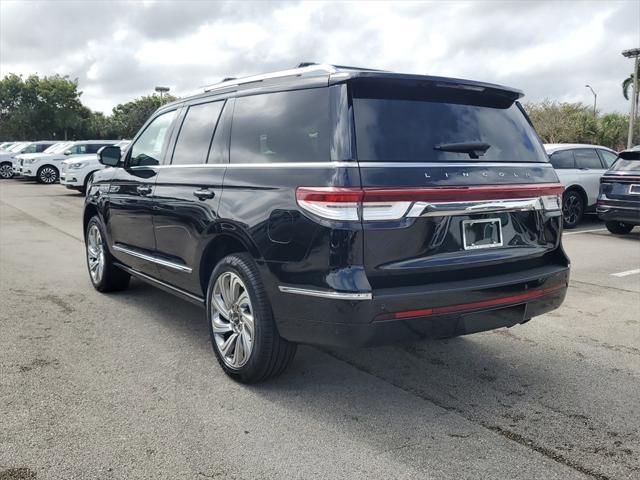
(326, 293)
(150, 258)
(453, 164)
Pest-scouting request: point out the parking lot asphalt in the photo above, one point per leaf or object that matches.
(126, 385)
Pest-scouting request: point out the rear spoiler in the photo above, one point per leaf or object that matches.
(629, 154)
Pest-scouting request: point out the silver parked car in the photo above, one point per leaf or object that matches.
(579, 168)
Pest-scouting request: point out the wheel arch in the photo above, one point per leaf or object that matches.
(216, 249)
(90, 210)
(580, 189)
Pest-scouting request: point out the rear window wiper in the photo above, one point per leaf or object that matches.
(474, 149)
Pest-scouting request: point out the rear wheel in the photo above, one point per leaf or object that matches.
(572, 208)
(6, 170)
(243, 333)
(619, 228)
(105, 276)
(47, 174)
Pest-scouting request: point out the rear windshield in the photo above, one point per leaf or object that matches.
(623, 165)
(395, 129)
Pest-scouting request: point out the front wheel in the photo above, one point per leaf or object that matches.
(105, 276)
(6, 170)
(572, 208)
(47, 174)
(619, 228)
(243, 333)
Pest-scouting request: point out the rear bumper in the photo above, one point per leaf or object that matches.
(627, 212)
(434, 311)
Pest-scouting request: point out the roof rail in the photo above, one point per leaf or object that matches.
(294, 72)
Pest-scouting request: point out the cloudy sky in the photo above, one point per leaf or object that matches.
(120, 50)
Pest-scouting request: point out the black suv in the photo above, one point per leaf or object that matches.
(334, 206)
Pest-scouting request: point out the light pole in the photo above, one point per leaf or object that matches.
(633, 53)
(595, 99)
(162, 90)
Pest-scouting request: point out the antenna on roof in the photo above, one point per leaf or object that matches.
(226, 79)
(306, 64)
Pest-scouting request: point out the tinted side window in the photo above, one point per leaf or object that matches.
(78, 149)
(41, 147)
(148, 148)
(94, 147)
(30, 149)
(281, 127)
(219, 152)
(587, 158)
(563, 159)
(608, 157)
(194, 139)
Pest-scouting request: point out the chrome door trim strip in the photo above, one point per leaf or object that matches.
(326, 293)
(150, 258)
(160, 283)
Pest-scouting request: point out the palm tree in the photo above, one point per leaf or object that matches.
(627, 84)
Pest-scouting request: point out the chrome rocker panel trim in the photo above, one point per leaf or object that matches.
(150, 258)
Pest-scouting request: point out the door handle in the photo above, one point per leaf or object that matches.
(144, 189)
(204, 194)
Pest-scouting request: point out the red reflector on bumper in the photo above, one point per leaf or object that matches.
(466, 307)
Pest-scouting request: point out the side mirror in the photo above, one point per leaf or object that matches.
(109, 156)
(67, 152)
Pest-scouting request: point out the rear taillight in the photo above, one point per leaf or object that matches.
(376, 204)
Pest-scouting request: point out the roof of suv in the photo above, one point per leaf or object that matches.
(311, 74)
(554, 147)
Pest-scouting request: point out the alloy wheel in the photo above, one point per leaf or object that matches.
(232, 320)
(95, 254)
(572, 208)
(6, 171)
(48, 175)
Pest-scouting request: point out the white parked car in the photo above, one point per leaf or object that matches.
(7, 156)
(77, 172)
(55, 148)
(46, 168)
(579, 168)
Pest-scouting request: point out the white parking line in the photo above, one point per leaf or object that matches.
(586, 231)
(626, 273)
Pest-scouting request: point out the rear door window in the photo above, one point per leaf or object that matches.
(587, 158)
(415, 124)
(196, 133)
(41, 147)
(608, 157)
(563, 159)
(281, 127)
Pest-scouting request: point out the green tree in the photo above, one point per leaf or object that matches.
(563, 122)
(128, 118)
(40, 108)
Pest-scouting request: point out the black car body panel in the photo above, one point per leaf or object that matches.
(351, 272)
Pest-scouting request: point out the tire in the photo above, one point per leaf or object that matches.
(104, 275)
(6, 170)
(269, 354)
(47, 174)
(619, 228)
(87, 181)
(572, 208)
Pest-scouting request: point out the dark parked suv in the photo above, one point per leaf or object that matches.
(334, 206)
